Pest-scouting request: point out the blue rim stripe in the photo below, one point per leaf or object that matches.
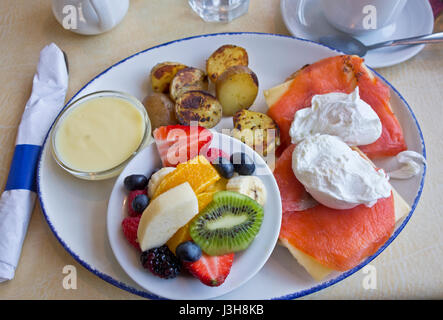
(23, 168)
(319, 287)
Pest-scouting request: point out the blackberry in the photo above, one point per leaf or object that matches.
(161, 262)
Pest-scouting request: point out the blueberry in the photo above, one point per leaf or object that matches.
(224, 167)
(188, 251)
(135, 182)
(243, 164)
(140, 203)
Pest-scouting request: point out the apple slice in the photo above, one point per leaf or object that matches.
(165, 215)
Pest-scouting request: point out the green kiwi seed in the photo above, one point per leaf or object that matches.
(228, 224)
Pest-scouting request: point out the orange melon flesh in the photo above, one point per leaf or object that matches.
(180, 236)
(339, 74)
(199, 172)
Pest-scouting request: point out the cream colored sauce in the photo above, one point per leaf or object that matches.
(99, 134)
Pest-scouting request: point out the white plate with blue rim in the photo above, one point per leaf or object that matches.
(76, 209)
(304, 19)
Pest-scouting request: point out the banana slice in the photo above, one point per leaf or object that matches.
(250, 186)
(156, 178)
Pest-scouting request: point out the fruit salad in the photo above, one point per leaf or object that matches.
(198, 210)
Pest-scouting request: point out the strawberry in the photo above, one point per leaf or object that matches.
(131, 197)
(178, 143)
(214, 153)
(211, 270)
(130, 226)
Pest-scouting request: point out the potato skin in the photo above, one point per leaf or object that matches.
(186, 80)
(236, 89)
(200, 106)
(160, 110)
(224, 57)
(253, 128)
(162, 74)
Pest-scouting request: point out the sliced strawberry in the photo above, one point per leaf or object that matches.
(178, 143)
(130, 226)
(214, 153)
(211, 270)
(131, 197)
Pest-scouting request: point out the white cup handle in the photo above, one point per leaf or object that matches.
(103, 10)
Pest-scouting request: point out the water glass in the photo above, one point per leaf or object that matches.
(219, 10)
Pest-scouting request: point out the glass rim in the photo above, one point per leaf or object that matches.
(108, 173)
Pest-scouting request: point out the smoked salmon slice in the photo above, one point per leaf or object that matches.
(336, 74)
(339, 239)
(294, 196)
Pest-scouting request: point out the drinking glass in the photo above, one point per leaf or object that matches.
(219, 10)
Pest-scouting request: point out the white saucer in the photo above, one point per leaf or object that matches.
(304, 19)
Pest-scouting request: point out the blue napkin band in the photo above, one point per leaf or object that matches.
(23, 169)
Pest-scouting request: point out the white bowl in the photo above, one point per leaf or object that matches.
(246, 263)
(109, 172)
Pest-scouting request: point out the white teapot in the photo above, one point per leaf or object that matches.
(89, 16)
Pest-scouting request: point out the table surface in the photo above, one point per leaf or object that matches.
(409, 268)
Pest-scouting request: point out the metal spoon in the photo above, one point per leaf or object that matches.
(350, 45)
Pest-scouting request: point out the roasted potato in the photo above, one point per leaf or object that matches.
(160, 110)
(162, 74)
(188, 79)
(236, 89)
(224, 57)
(257, 130)
(198, 106)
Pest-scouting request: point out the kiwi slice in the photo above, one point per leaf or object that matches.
(228, 224)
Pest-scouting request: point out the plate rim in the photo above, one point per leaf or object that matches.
(411, 54)
(294, 295)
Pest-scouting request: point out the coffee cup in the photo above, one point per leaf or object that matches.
(89, 16)
(361, 16)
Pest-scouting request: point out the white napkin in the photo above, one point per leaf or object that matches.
(17, 201)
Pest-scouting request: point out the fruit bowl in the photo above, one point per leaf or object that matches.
(246, 263)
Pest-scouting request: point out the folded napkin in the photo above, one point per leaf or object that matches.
(17, 201)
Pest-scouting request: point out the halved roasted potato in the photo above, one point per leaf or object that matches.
(224, 57)
(257, 130)
(162, 74)
(236, 89)
(160, 110)
(199, 106)
(186, 80)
